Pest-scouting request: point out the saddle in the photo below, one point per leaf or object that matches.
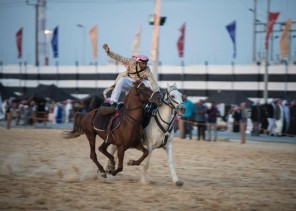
(107, 117)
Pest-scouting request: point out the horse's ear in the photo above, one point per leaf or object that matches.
(168, 86)
(175, 84)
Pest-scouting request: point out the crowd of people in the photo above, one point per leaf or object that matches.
(40, 110)
(276, 118)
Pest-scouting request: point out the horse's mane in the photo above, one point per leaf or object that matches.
(172, 87)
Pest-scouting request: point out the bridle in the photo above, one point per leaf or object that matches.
(175, 106)
(168, 100)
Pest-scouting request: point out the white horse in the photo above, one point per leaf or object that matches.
(159, 133)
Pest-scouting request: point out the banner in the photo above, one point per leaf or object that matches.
(54, 42)
(154, 47)
(180, 43)
(136, 43)
(231, 28)
(19, 37)
(272, 16)
(284, 41)
(93, 33)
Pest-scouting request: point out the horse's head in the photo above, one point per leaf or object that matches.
(146, 94)
(173, 98)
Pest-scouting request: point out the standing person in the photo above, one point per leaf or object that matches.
(68, 111)
(136, 69)
(256, 118)
(292, 128)
(278, 118)
(286, 108)
(213, 114)
(236, 115)
(200, 118)
(243, 122)
(187, 117)
(270, 117)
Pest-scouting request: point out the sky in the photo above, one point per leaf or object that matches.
(206, 38)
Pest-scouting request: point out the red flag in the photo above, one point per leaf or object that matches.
(19, 36)
(272, 16)
(180, 43)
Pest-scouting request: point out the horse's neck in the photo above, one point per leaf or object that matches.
(166, 112)
(133, 105)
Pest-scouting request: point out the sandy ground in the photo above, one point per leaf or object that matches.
(41, 171)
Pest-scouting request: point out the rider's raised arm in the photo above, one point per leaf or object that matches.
(117, 57)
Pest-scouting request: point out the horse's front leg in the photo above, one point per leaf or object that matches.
(109, 167)
(120, 155)
(171, 164)
(139, 161)
(146, 164)
(103, 149)
(92, 143)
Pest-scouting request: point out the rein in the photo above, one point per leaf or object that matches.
(158, 117)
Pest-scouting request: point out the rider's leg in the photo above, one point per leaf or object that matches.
(122, 85)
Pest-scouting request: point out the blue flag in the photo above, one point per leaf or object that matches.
(54, 42)
(231, 28)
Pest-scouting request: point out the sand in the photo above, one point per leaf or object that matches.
(41, 171)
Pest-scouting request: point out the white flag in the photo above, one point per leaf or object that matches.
(136, 43)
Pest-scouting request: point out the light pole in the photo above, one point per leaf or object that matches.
(47, 33)
(83, 42)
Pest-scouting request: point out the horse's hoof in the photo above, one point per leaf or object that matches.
(179, 183)
(104, 175)
(132, 163)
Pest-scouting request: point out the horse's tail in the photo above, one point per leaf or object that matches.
(77, 130)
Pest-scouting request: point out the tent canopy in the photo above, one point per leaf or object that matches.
(51, 92)
(6, 93)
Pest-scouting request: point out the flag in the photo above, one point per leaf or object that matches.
(54, 42)
(93, 39)
(136, 43)
(19, 37)
(180, 43)
(284, 41)
(272, 16)
(154, 47)
(231, 28)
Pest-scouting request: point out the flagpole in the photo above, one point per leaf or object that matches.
(155, 40)
(57, 67)
(182, 78)
(265, 94)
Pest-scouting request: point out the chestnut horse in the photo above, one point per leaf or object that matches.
(126, 135)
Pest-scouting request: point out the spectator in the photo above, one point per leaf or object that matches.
(270, 116)
(213, 114)
(187, 117)
(292, 128)
(278, 118)
(286, 108)
(243, 122)
(200, 118)
(236, 115)
(256, 119)
(68, 111)
(58, 113)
